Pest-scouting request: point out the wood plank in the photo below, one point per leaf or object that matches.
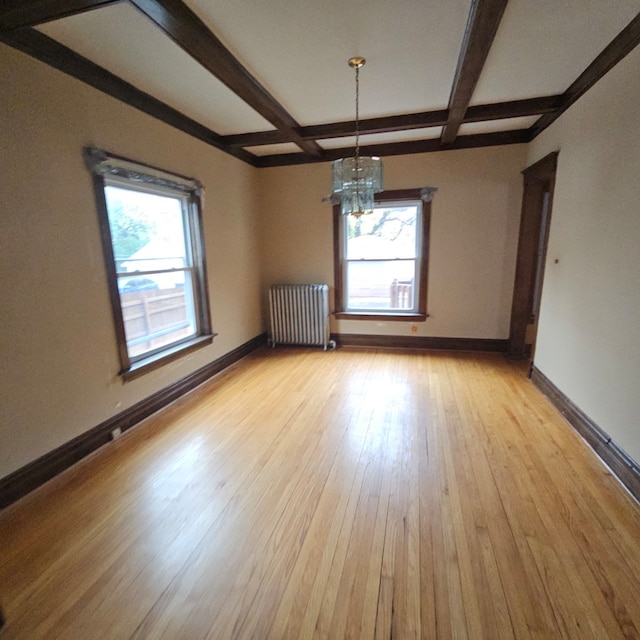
(309, 564)
(491, 617)
(359, 493)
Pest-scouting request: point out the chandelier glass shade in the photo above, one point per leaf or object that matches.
(355, 180)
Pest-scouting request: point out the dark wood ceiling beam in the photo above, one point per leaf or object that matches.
(387, 124)
(512, 109)
(627, 40)
(186, 29)
(256, 139)
(16, 14)
(518, 136)
(53, 53)
(383, 124)
(482, 26)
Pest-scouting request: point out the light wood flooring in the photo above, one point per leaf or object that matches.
(350, 494)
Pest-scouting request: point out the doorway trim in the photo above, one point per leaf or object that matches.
(539, 179)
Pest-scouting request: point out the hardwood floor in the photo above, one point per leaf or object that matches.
(349, 494)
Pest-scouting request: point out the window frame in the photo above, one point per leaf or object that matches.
(396, 196)
(106, 170)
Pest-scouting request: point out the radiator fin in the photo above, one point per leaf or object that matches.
(299, 314)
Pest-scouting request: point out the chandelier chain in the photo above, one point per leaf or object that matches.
(357, 114)
(356, 180)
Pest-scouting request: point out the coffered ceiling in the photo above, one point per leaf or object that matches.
(268, 80)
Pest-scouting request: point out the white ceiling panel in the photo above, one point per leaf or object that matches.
(541, 47)
(125, 42)
(299, 50)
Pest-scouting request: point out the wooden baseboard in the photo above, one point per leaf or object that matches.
(621, 464)
(36, 473)
(420, 342)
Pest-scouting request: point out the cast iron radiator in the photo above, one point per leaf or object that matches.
(300, 314)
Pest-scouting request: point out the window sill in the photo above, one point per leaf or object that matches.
(391, 317)
(140, 367)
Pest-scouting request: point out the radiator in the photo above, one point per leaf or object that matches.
(300, 314)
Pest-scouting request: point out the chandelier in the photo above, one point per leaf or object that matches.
(356, 179)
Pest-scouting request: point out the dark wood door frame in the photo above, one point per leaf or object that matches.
(539, 179)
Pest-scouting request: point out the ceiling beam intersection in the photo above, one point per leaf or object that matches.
(189, 32)
(405, 122)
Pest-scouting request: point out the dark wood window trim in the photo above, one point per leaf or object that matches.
(102, 164)
(140, 367)
(395, 195)
(382, 317)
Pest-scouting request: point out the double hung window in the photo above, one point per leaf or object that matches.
(381, 259)
(154, 254)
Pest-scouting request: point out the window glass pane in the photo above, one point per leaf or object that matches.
(155, 317)
(147, 232)
(387, 233)
(151, 252)
(386, 284)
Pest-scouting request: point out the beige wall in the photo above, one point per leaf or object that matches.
(474, 228)
(59, 361)
(589, 336)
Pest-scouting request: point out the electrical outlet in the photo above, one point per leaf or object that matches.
(116, 433)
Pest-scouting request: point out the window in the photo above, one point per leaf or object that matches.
(151, 231)
(381, 259)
